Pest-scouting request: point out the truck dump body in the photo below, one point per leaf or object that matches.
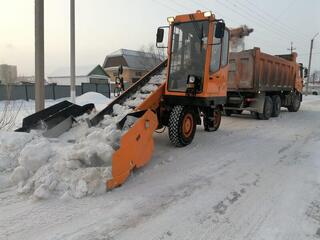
(253, 71)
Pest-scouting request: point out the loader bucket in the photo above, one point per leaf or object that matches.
(55, 119)
(136, 146)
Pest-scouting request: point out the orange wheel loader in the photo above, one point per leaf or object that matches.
(196, 83)
(193, 86)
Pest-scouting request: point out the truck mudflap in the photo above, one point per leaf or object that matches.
(136, 146)
(56, 119)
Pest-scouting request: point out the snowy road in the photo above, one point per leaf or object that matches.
(250, 180)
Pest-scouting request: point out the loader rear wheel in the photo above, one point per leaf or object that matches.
(212, 120)
(267, 109)
(276, 100)
(182, 125)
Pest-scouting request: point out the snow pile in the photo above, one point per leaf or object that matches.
(11, 143)
(76, 164)
(100, 101)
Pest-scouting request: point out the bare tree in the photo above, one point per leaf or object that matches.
(151, 52)
(9, 111)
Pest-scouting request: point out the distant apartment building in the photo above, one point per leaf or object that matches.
(84, 74)
(8, 74)
(135, 64)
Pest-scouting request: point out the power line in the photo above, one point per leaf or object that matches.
(264, 21)
(285, 10)
(272, 17)
(267, 27)
(262, 39)
(180, 5)
(165, 5)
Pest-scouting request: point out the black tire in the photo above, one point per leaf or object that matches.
(212, 120)
(182, 125)
(267, 109)
(228, 112)
(254, 115)
(276, 102)
(295, 104)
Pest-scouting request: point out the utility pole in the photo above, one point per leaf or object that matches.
(291, 49)
(39, 55)
(72, 53)
(309, 67)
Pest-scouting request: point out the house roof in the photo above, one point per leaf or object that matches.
(132, 59)
(81, 71)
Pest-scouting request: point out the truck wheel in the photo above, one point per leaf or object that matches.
(182, 125)
(254, 115)
(212, 123)
(228, 112)
(295, 105)
(276, 101)
(267, 110)
(238, 112)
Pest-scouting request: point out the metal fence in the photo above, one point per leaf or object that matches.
(52, 91)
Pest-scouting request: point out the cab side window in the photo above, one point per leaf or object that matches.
(219, 52)
(225, 49)
(215, 54)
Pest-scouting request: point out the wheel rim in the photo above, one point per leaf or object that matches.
(217, 118)
(187, 125)
(278, 105)
(268, 110)
(297, 103)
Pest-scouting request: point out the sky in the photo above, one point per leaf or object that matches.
(104, 26)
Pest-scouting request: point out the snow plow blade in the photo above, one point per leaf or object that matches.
(56, 119)
(136, 147)
(137, 144)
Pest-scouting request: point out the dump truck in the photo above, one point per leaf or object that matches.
(185, 90)
(262, 83)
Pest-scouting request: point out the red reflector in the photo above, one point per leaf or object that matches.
(250, 99)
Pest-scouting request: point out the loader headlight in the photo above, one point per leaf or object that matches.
(191, 79)
(170, 20)
(207, 14)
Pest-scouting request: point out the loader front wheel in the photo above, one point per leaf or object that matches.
(212, 120)
(182, 125)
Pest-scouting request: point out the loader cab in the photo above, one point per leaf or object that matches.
(196, 86)
(198, 48)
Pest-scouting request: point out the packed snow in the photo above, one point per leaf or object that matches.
(250, 180)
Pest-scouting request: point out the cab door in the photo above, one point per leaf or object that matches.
(218, 67)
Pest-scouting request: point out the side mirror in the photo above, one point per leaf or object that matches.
(160, 34)
(120, 70)
(220, 28)
(306, 72)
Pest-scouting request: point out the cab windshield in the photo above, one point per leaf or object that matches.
(188, 52)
